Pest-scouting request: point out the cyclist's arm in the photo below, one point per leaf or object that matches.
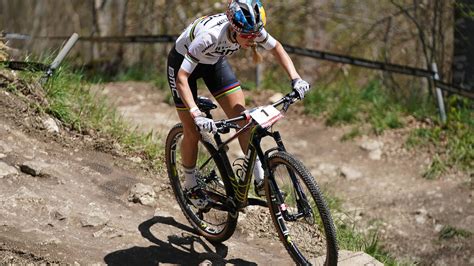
(183, 89)
(191, 60)
(285, 61)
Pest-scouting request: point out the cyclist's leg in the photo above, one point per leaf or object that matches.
(190, 135)
(224, 86)
(233, 105)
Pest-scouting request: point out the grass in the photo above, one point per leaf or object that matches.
(449, 232)
(452, 143)
(71, 100)
(349, 238)
(354, 133)
(137, 72)
(347, 105)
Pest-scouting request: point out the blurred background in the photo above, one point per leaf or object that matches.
(407, 32)
(431, 225)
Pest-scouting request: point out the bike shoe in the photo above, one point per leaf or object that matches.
(259, 188)
(197, 197)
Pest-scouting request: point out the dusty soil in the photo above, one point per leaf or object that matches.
(76, 208)
(390, 195)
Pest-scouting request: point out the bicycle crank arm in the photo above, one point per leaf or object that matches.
(257, 202)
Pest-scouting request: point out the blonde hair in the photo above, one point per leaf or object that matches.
(257, 57)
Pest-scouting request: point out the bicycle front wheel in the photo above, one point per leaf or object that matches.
(299, 212)
(214, 224)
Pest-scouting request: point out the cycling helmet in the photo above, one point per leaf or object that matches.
(247, 17)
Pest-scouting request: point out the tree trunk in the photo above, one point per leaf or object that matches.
(463, 61)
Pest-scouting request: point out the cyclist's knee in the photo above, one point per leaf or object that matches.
(191, 133)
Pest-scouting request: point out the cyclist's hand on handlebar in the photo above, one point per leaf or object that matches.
(203, 123)
(301, 87)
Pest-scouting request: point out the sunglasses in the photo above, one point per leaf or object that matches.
(249, 36)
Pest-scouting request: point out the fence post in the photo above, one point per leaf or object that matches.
(258, 75)
(60, 57)
(439, 95)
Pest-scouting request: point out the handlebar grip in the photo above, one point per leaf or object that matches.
(292, 95)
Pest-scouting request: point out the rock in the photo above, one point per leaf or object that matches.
(276, 97)
(371, 145)
(421, 216)
(95, 217)
(143, 194)
(24, 195)
(6, 169)
(108, 232)
(350, 258)
(420, 219)
(438, 228)
(61, 213)
(2, 156)
(328, 169)
(376, 155)
(136, 159)
(160, 213)
(350, 173)
(467, 223)
(5, 148)
(33, 168)
(50, 125)
(52, 241)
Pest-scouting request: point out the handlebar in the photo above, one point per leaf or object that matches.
(223, 126)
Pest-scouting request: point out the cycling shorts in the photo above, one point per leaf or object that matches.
(219, 78)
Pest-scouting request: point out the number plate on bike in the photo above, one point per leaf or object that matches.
(266, 116)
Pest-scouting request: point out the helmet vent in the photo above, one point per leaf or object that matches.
(257, 13)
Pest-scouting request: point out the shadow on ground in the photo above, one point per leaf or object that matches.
(176, 250)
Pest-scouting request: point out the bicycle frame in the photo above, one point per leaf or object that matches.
(241, 186)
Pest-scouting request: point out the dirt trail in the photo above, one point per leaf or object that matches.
(73, 207)
(384, 191)
(63, 200)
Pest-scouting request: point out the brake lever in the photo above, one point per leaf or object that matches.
(225, 127)
(286, 105)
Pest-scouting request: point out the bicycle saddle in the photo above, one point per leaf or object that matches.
(205, 104)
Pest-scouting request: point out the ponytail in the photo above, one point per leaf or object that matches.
(257, 57)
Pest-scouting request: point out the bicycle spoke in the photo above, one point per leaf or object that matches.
(215, 221)
(297, 215)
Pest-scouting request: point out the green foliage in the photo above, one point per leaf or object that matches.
(449, 232)
(436, 168)
(349, 238)
(137, 72)
(345, 105)
(355, 132)
(453, 143)
(72, 101)
(276, 80)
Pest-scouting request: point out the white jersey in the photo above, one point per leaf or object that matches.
(207, 39)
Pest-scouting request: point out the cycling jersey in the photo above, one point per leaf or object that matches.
(207, 40)
(219, 78)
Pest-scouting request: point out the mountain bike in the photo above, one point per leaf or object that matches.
(297, 207)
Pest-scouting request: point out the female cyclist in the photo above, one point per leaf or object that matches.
(200, 52)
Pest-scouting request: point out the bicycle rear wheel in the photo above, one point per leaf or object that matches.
(214, 223)
(299, 212)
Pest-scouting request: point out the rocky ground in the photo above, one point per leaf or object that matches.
(379, 181)
(74, 198)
